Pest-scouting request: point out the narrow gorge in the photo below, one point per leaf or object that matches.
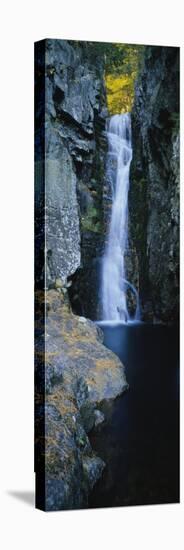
(107, 188)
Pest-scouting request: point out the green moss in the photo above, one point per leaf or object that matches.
(91, 221)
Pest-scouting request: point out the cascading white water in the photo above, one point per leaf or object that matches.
(114, 283)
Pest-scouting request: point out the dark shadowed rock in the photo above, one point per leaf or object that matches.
(154, 190)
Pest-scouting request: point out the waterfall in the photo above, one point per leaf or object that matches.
(114, 283)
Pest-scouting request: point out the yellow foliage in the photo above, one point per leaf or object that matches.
(120, 78)
(120, 93)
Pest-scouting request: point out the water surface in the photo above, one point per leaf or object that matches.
(140, 440)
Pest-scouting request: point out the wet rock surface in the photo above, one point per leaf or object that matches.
(154, 189)
(80, 373)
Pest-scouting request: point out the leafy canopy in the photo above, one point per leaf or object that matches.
(122, 63)
(121, 72)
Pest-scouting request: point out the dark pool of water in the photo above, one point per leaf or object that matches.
(140, 440)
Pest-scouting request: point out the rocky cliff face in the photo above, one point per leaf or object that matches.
(74, 372)
(74, 169)
(154, 190)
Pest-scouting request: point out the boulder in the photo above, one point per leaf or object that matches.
(80, 373)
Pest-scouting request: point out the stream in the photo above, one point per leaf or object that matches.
(139, 441)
